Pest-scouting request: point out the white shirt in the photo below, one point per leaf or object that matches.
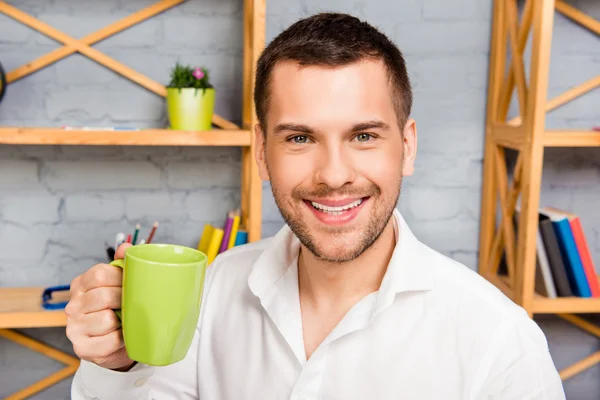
(434, 330)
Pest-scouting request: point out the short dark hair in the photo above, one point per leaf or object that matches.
(333, 39)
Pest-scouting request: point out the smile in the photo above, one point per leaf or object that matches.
(336, 210)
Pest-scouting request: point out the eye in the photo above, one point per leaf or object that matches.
(299, 139)
(364, 137)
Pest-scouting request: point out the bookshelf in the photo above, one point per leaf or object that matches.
(21, 307)
(528, 135)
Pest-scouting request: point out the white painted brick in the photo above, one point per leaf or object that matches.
(15, 56)
(570, 38)
(28, 209)
(585, 107)
(568, 70)
(386, 16)
(22, 101)
(66, 175)
(13, 32)
(444, 37)
(445, 170)
(270, 228)
(462, 107)
(78, 69)
(194, 175)
(155, 206)
(436, 136)
(211, 205)
(18, 174)
(451, 10)
(30, 6)
(94, 207)
(23, 244)
(431, 203)
(460, 233)
(208, 33)
(128, 103)
(77, 26)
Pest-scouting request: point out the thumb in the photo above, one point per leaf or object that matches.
(120, 253)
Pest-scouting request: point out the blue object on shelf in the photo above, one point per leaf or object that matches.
(47, 296)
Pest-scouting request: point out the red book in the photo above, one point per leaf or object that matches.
(586, 257)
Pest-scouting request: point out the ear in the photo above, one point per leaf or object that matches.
(410, 147)
(259, 152)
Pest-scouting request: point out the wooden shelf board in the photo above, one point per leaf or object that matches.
(544, 305)
(22, 308)
(146, 137)
(572, 138)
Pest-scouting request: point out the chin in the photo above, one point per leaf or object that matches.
(338, 247)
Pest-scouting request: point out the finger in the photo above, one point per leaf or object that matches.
(100, 323)
(101, 275)
(120, 253)
(94, 347)
(100, 298)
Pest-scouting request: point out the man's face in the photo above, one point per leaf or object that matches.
(334, 155)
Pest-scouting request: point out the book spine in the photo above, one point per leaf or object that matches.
(234, 230)
(215, 243)
(586, 257)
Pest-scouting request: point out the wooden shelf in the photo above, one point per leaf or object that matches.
(575, 138)
(22, 308)
(145, 137)
(574, 305)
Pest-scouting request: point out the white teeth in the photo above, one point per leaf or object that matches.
(336, 210)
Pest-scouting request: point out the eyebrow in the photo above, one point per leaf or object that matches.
(305, 129)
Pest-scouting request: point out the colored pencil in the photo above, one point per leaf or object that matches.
(152, 232)
(129, 238)
(135, 234)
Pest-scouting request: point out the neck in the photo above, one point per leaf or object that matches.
(330, 285)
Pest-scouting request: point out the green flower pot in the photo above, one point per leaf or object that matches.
(190, 109)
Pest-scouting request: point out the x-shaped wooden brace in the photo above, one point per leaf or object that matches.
(521, 39)
(83, 46)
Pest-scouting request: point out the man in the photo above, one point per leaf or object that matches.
(344, 302)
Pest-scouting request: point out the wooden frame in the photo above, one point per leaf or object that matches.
(526, 134)
(20, 307)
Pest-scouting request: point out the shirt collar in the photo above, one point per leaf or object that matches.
(408, 269)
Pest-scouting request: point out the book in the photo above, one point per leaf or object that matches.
(559, 274)
(241, 238)
(234, 229)
(583, 250)
(544, 282)
(204, 241)
(569, 252)
(215, 244)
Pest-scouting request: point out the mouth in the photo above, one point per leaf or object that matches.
(335, 212)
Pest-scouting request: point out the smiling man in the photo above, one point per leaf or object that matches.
(344, 302)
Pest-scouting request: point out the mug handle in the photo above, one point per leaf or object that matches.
(121, 264)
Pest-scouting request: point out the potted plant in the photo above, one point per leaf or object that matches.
(190, 99)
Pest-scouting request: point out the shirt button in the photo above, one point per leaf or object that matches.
(140, 382)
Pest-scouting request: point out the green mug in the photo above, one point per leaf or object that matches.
(161, 298)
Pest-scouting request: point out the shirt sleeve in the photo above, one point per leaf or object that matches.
(519, 365)
(142, 382)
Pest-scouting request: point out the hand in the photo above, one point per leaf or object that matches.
(92, 325)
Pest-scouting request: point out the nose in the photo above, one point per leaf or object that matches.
(334, 168)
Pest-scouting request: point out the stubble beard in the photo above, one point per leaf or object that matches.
(347, 248)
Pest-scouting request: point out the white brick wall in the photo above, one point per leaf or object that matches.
(59, 204)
